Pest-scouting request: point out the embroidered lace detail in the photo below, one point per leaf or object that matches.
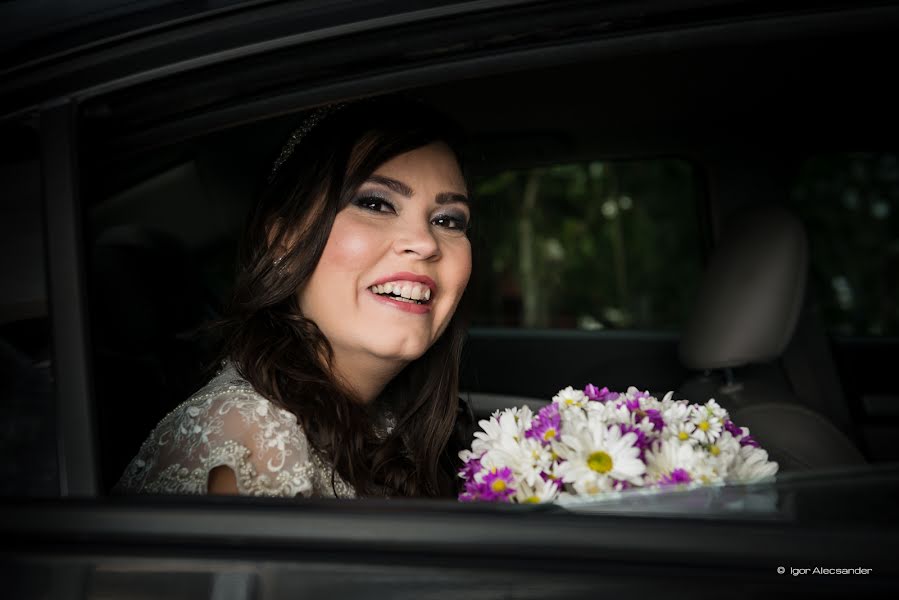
(228, 423)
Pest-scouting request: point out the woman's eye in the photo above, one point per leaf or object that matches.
(451, 222)
(374, 204)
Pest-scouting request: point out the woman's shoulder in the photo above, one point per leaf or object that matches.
(229, 394)
(226, 423)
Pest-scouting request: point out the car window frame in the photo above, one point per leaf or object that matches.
(149, 521)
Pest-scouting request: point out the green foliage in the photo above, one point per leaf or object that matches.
(599, 245)
(849, 203)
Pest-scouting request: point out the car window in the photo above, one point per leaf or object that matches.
(849, 203)
(28, 463)
(589, 245)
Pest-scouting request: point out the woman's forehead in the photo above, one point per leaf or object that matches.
(433, 164)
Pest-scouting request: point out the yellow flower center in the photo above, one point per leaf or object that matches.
(498, 485)
(683, 436)
(715, 450)
(533, 500)
(704, 425)
(550, 434)
(600, 462)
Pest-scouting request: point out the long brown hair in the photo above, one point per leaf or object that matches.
(287, 358)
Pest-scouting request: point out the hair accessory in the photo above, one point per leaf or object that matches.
(309, 123)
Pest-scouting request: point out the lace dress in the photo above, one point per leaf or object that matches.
(228, 423)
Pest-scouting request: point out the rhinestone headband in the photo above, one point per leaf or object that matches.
(315, 117)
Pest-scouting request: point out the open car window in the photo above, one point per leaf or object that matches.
(581, 246)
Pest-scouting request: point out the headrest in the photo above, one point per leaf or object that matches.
(751, 294)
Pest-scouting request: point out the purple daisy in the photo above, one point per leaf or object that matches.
(655, 417)
(620, 485)
(731, 427)
(642, 442)
(747, 440)
(632, 404)
(470, 469)
(547, 425)
(599, 395)
(473, 491)
(676, 477)
(497, 485)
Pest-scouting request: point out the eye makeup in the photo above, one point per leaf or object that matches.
(380, 201)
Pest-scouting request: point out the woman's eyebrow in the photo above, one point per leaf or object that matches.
(451, 197)
(394, 184)
(404, 190)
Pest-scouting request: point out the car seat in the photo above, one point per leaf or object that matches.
(740, 336)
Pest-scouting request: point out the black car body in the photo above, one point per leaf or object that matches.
(168, 115)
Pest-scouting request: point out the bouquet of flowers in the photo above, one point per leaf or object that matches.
(595, 441)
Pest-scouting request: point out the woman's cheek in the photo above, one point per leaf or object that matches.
(464, 261)
(348, 246)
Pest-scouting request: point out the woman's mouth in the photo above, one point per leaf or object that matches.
(404, 291)
(406, 295)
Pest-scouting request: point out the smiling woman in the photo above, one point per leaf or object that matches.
(342, 346)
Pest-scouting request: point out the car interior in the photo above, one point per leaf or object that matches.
(164, 220)
(168, 174)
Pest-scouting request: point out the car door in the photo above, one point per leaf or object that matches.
(131, 116)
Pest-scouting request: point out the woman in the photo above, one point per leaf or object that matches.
(342, 349)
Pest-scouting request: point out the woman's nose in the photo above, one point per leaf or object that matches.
(417, 239)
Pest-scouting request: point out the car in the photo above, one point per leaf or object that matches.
(696, 196)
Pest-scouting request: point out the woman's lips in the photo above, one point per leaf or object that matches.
(410, 277)
(410, 307)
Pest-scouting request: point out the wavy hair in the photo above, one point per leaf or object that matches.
(287, 358)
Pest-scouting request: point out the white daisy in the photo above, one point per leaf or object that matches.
(596, 455)
(751, 464)
(523, 416)
(721, 454)
(682, 431)
(632, 392)
(571, 398)
(667, 455)
(527, 458)
(466, 455)
(715, 410)
(540, 492)
(676, 412)
(501, 430)
(708, 426)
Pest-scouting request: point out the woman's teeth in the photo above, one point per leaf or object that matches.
(404, 291)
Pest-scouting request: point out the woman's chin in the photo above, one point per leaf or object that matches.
(401, 350)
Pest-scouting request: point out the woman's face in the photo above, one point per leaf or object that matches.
(397, 260)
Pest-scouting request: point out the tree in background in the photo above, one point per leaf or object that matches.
(590, 245)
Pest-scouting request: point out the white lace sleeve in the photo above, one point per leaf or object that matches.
(232, 426)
